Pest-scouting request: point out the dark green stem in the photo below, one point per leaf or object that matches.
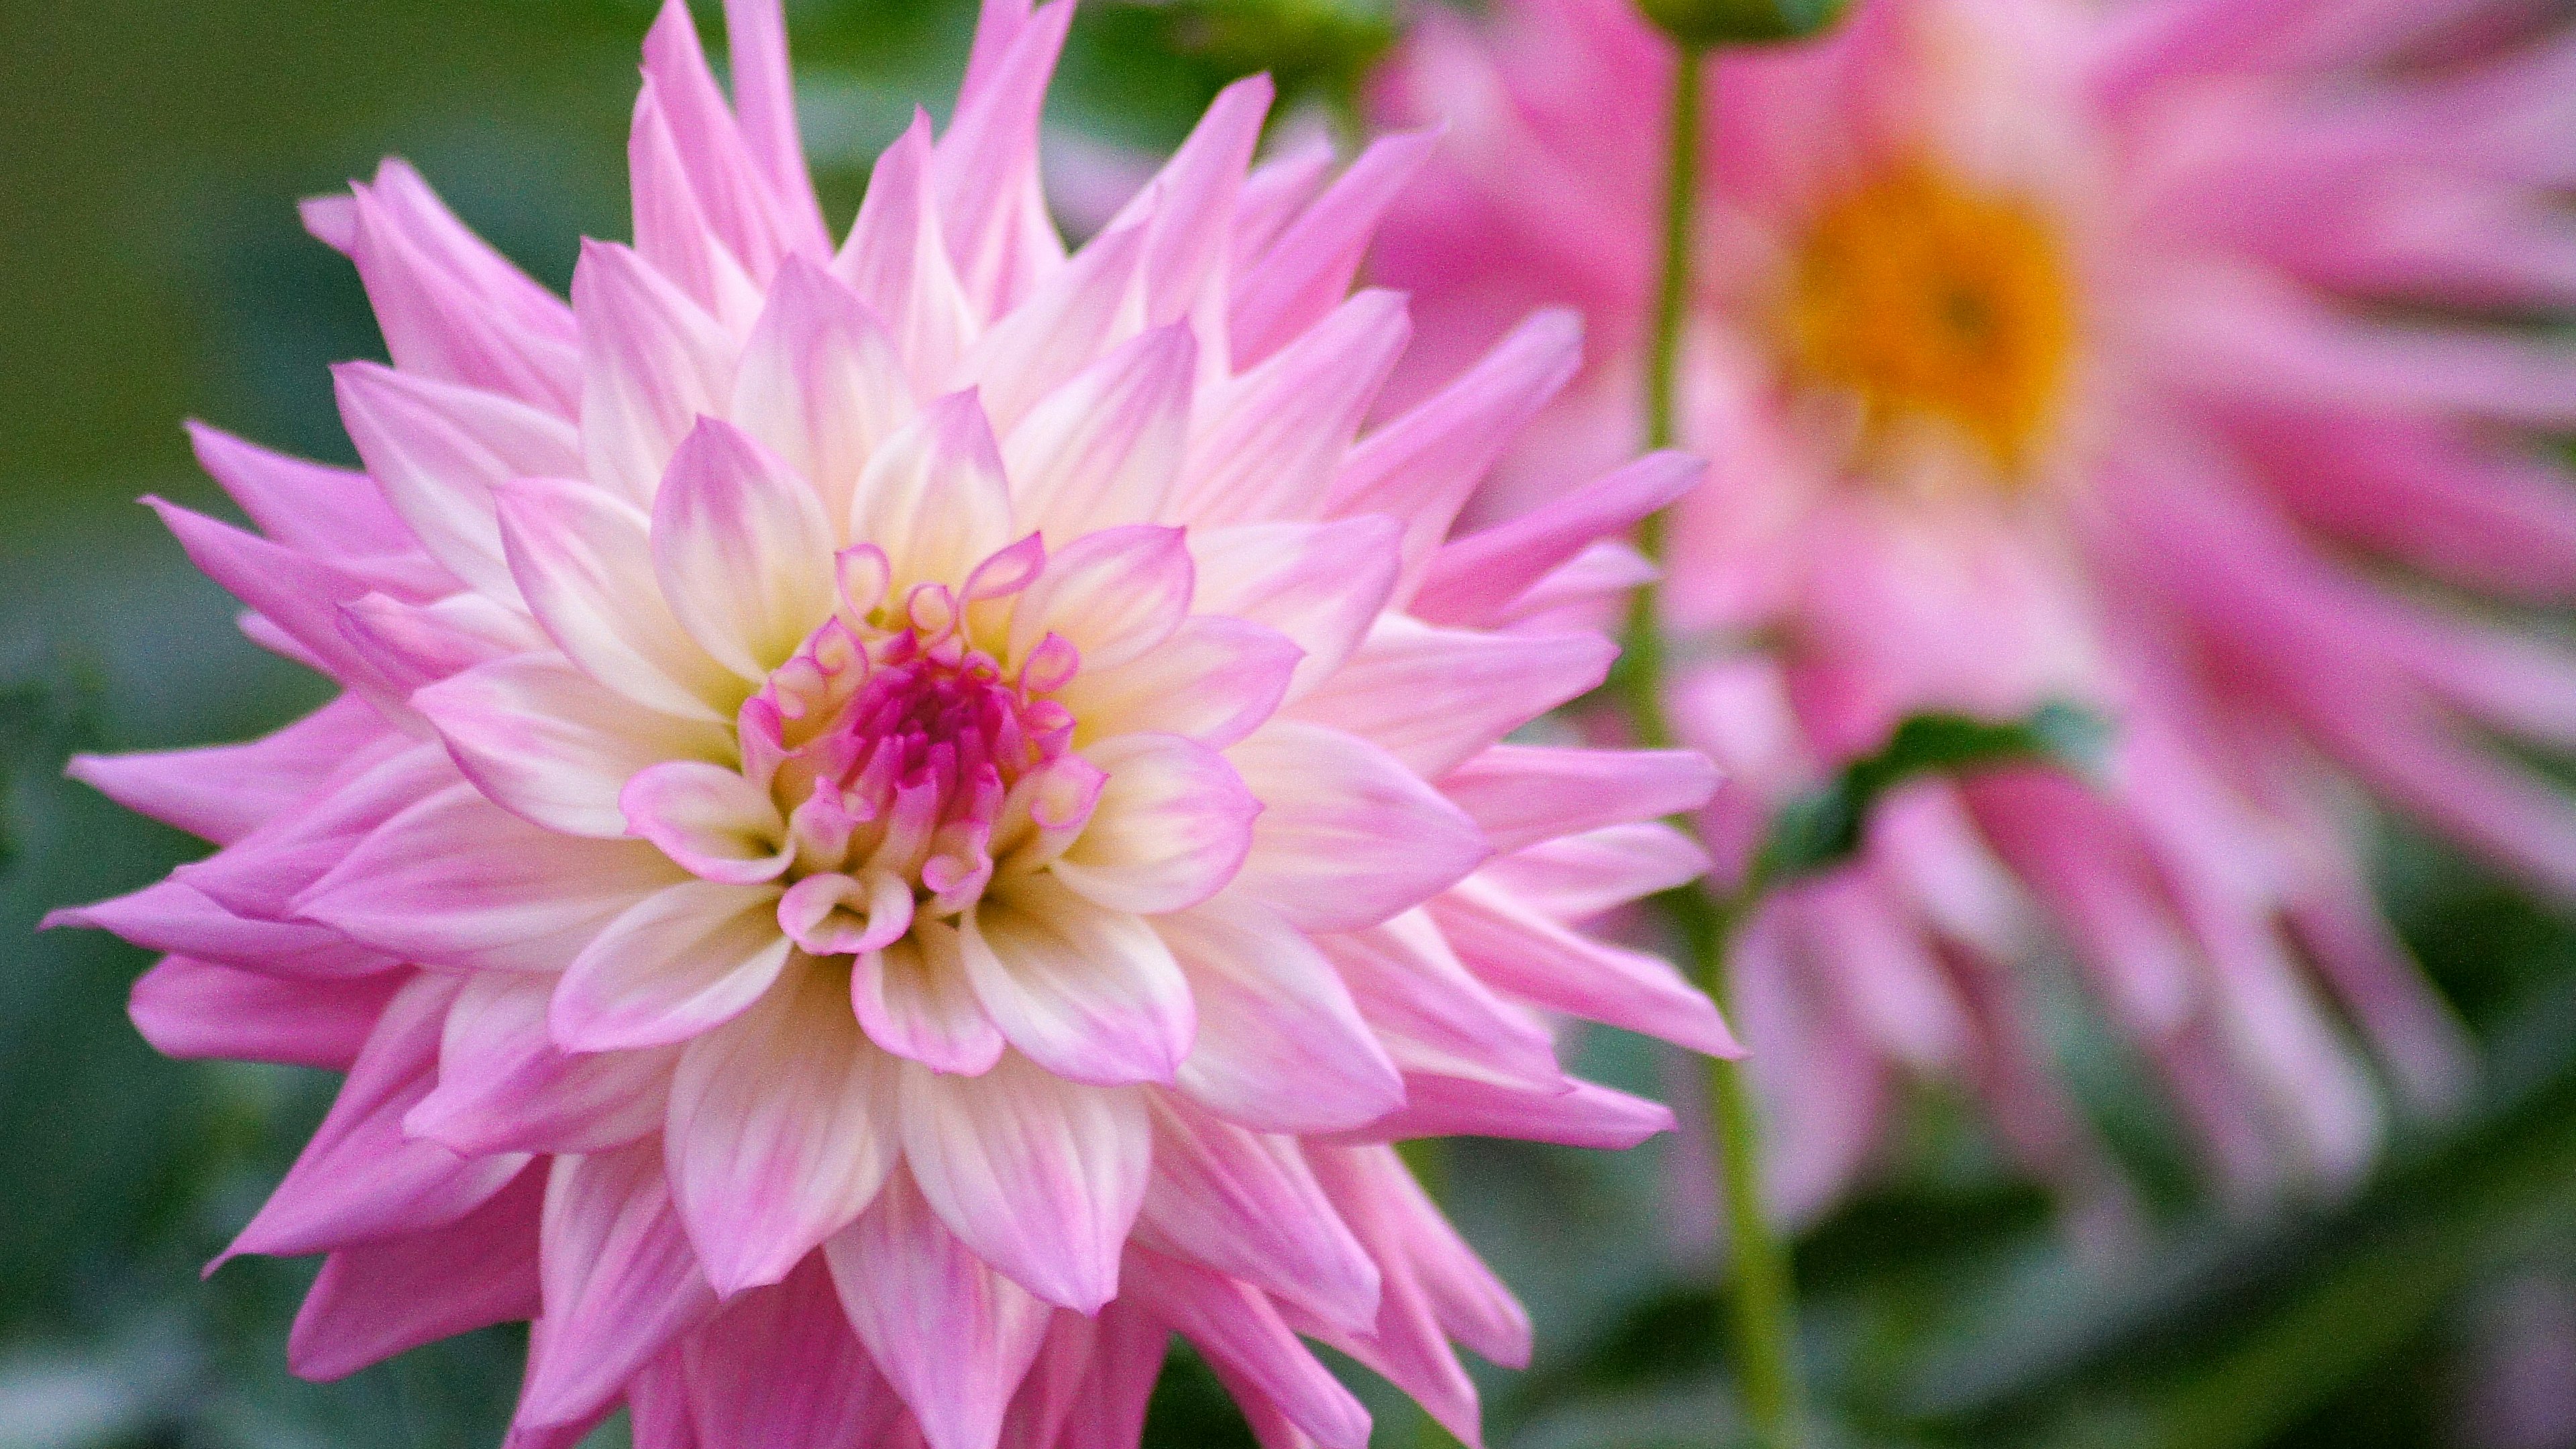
(1762, 1308)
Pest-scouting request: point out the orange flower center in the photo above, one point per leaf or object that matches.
(1925, 302)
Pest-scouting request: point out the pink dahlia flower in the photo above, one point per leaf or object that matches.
(909, 820)
(2066, 352)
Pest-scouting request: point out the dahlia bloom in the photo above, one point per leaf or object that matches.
(2063, 352)
(909, 820)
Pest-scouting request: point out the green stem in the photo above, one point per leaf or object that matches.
(1762, 1308)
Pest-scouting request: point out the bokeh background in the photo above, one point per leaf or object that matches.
(152, 269)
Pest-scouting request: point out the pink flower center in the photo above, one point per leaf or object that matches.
(910, 764)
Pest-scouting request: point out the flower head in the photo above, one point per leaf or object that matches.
(2062, 355)
(909, 819)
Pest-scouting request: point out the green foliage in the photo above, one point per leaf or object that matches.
(1707, 23)
(1822, 830)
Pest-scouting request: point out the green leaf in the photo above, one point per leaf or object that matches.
(1822, 830)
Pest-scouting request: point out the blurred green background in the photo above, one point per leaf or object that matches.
(151, 268)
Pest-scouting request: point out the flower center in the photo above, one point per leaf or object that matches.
(911, 765)
(1925, 303)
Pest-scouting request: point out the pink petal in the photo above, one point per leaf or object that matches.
(897, 263)
(1114, 595)
(1523, 794)
(1575, 877)
(1587, 1116)
(1189, 205)
(503, 1085)
(710, 819)
(1307, 272)
(451, 308)
(583, 559)
(1168, 830)
(438, 450)
(361, 1177)
(1062, 327)
(764, 98)
(1266, 446)
(544, 742)
(780, 1366)
(224, 792)
(953, 1336)
(1475, 579)
(742, 549)
(933, 498)
(375, 1300)
(456, 880)
(1088, 992)
(820, 382)
(781, 1131)
(1246, 1205)
(194, 1010)
(1214, 681)
(1422, 466)
(174, 917)
(680, 962)
(1105, 448)
(1347, 836)
(652, 362)
(300, 597)
(1091, 1381)
(1281, 1046)
(914, 999)
(985, 169)
(1322, 585)
(330, 513)
(1240, 1331)
(1432, 1013)
(1041, 1178)
(1521, 952)
(619, 1282)
(1478, 687)
(731, 190)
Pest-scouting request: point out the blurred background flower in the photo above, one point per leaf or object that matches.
(153, 269)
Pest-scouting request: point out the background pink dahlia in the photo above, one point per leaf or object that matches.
(2055, 352)
(909, 818)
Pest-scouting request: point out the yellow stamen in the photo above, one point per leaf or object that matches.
(1924, 301)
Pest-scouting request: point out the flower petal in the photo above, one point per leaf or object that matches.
(652, 363)
(438, 450)
(1105, 448)
(1088, 992)
(914, 1000)
(546, 743)
(361, 1177)
(1040, 1177)
(710, 820)
(1245, 1205)
(583, 559)
(934, 497)
(1523, 794)
(1114, 595)
(1322, 585)
(374, 1300)
(198, 1010)
(820, 382)
(1168, 830)
(1215, 680)
(1487, 686)
(619, 1282)
(678, 963)
(504, 1086)
(781, 1131)
(954, 1337)
(1347, 836)
(457, 881)
(742, 550)
(1281, 1046)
